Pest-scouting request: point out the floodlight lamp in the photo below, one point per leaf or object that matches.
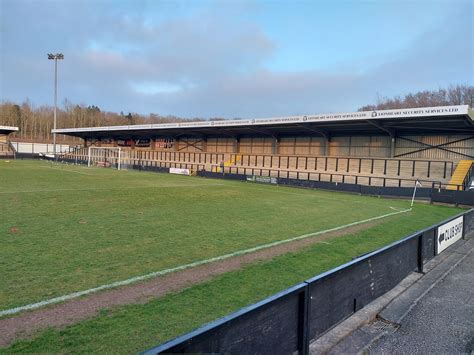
(55, 56)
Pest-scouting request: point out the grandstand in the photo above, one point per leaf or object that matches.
(379, 148)
(6, 150)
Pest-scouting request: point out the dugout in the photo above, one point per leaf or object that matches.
(6, 151)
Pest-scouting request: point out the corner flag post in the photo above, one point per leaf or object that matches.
(417, 184)
(119, 158)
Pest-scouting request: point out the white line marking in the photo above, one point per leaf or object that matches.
(66, 171)
(186, 266)
(108, 189)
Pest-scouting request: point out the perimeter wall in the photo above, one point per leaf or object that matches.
(288, 321)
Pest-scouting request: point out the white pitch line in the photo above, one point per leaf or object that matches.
(108, 189)
(183, 267)
(396, 208)
(67, 171)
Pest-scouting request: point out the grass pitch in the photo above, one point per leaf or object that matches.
(66, 229)
(70, 228)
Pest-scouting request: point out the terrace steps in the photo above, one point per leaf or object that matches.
(234, 159)
(459, 174)
(375, 179)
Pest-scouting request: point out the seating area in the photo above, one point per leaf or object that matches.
(359, 170)
(6, 150)
(404, 168)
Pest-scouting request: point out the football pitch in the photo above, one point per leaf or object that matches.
(66, 229)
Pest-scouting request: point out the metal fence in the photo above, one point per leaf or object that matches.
(370, 180)
(436, 193)
(287, 321)
(366, 171)
(468, 178)
(344, 164)
(432, 193)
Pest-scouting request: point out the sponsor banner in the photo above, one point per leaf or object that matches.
(362, 115)
(180, 171)
(164, 143)
(449, 233)
(133, 142)
(142, 143)
(262, 179)
(124, 142)
(106, 140)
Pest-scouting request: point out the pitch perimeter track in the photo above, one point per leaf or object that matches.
(74, 308)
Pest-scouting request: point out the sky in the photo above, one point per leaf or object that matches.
(234, 58)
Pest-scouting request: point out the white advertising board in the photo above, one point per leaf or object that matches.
(262, 179)
(441, 111)
(180, 171)
(449, 233)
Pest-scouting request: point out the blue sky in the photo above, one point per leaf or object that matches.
(233, 58)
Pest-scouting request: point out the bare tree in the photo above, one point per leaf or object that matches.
(35, 123)
(453, 95)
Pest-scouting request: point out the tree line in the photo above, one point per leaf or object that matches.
(453, 95)
(35, 122)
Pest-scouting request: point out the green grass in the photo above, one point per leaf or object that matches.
(134, 328)
(70, 228)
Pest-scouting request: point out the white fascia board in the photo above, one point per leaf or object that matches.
(8, 128)
(444, 111)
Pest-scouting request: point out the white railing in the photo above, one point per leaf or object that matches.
(36, 148)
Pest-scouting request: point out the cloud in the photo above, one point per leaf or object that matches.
(212, 61)
(190, 50)
(439, 57)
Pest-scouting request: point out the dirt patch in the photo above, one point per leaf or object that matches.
(29, 323)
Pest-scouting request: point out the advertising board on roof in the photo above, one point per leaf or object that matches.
(331, 117)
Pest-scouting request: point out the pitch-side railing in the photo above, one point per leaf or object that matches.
(286, 322)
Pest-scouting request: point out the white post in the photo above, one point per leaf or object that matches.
(414, 193)
(118, 163)
(89, 157)
(55, 103)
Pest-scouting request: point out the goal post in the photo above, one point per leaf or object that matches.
(105, 157)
